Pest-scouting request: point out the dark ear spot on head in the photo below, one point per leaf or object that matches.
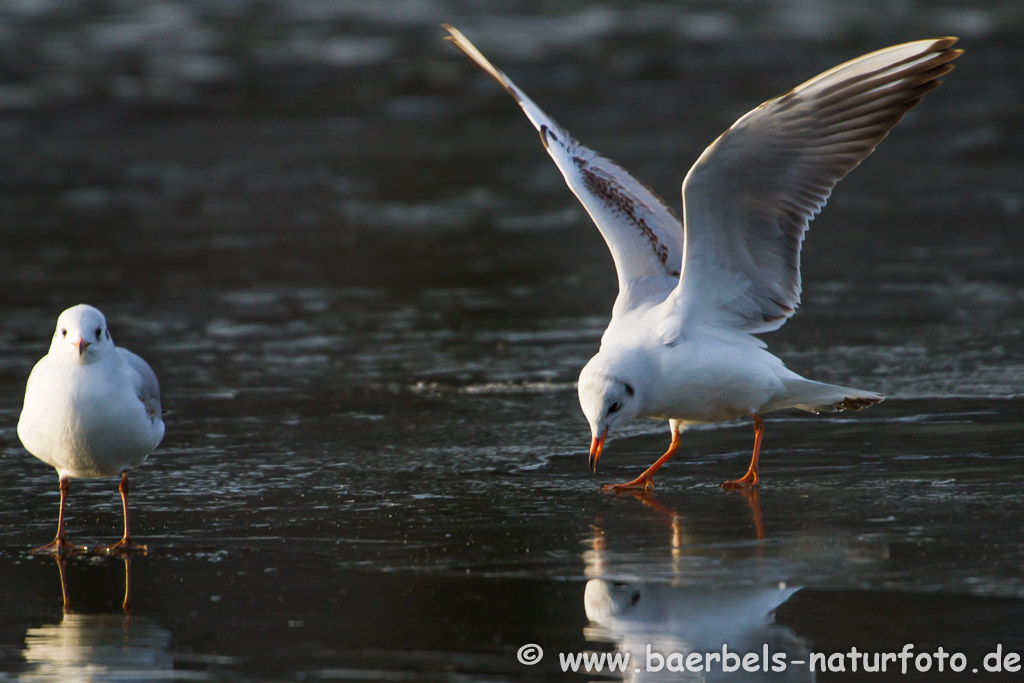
(629, 389)
(636, 598)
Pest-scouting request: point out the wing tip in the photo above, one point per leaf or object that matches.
(944, 47)
(942, 53)
(454, 34)
(459, 40)
(942, 44)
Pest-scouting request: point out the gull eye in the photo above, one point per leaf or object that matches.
(614, 408)
(63, 332)
(99, 332)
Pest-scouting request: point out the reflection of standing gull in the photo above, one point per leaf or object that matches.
(679, 346)
(98, 647)
(91, 410)
(126, 604)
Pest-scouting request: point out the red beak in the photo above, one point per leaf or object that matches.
(81, 345)
(596, 445)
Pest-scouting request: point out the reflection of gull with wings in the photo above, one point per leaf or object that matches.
(679, 614)
(687, 619)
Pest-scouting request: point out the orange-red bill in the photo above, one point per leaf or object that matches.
(596, 445)
(81, 345)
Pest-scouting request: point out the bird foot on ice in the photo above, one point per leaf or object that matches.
(747, 481)
(60, 547)
(645, 484)
(125, 545)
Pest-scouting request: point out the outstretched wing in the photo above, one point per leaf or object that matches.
(751, 194)
(645, 236)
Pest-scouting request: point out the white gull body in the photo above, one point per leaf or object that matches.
(91, 409)
(693, 292)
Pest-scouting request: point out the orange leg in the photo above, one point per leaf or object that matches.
(755, 509)
(127, 604)
(61, 562)
(125, 544)
(750, 479)
(60, 545)
(646, 480)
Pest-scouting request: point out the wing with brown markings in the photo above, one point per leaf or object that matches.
(645, 237)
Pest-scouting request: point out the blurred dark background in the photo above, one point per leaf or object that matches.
(368, 293)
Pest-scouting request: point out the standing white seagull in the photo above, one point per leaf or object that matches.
(91, 410)
(679, 346)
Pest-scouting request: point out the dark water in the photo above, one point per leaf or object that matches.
(368, 294)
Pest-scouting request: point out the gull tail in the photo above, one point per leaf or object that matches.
(818, 397)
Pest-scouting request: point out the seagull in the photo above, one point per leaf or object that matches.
(694, 291)
(91, 409)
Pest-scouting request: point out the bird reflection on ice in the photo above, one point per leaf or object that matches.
(126, 602)
(677, 621)
(97, 647)
(679, 615)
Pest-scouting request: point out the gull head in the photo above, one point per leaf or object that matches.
(610, 397)
(82, 336)
(605, 600)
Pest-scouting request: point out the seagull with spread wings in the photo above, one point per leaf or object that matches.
(693, 292)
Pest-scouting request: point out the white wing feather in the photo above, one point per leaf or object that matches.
(645, 237)
(146, 385)
(750, 196)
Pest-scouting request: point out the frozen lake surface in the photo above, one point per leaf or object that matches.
(367, 294)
